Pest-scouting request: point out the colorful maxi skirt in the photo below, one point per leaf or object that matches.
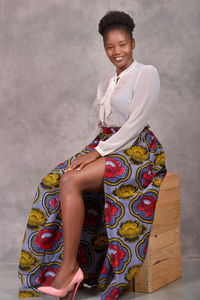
(117, 222)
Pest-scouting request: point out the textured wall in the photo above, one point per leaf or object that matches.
(51, 60)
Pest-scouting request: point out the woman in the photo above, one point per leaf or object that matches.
(92, 214)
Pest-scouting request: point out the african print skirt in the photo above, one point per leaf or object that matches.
(117, 222)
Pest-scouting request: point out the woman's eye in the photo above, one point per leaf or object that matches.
(109, 47)
(123, 45)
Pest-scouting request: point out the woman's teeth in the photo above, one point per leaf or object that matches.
(119, 58)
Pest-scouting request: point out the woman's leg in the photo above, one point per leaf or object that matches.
(71, 186)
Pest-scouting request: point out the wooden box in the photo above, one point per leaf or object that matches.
(162, 263)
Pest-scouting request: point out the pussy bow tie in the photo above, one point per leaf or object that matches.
(105, 106)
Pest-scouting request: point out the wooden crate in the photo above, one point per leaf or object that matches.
(162, 263)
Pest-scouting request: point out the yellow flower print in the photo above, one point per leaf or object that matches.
(160, 159)
(60, 216)
(100, 242)
(137, 154)
(21, 277)
(157, 181)
(61, 256)
(131, 230)
(25, 235)
(28, 261)
(28, 294)
(132, 271)
(38, 195)
(51, 181)
(125, 191)
(101, 286)
(36, 219)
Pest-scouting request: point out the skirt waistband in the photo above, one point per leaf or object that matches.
(111, 130)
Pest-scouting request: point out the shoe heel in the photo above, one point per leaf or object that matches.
(75, 290)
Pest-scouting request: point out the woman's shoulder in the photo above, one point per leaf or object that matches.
(147, 69)
(147, 73)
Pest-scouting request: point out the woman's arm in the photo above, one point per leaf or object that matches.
(146, 93)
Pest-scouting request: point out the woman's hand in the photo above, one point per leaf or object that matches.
(83, 160)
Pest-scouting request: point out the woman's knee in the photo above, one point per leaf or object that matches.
(68, 180)
(90, 178)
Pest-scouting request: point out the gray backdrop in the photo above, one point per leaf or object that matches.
(51, 60)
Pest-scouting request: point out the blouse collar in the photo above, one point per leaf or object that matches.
(104, 104)
(132, 65)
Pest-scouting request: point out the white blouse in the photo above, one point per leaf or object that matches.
(125, 101)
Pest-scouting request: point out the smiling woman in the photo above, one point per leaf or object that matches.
(118, 40)
(92, 214)
(119, 46)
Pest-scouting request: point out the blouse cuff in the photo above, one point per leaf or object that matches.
(99, 150)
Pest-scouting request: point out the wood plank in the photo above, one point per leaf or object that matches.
(163, 240)
(162, 263)
(171, 180)
(159, 275)
(168, 195)
(164, 226)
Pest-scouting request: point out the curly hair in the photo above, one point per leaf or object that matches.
(116, 19)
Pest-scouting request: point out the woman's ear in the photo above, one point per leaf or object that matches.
(133, 43)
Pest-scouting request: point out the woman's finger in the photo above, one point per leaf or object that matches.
(83, 165)
(73, 164)
(76, 164)
(80, 166)
(69, 168)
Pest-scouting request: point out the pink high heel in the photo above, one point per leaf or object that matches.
(77, 279)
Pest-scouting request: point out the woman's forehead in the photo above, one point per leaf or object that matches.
(116, 35)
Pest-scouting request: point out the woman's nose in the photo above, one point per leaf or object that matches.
(116, 50)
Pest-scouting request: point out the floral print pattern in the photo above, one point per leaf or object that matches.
(117, 224)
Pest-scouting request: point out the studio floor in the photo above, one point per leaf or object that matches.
(185, 288)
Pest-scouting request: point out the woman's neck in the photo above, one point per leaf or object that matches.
(119, 70)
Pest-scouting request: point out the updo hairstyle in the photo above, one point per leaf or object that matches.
(116, 20)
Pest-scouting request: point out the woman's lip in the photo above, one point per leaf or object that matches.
(120, 58)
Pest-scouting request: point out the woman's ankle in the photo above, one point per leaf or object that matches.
(70, 267)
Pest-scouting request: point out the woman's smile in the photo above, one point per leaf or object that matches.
(118, 47)
(119, 58)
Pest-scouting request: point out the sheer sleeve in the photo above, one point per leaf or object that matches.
(146, 93)
(97, 129)
(95, 109)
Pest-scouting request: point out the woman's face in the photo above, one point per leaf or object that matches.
(118, 47)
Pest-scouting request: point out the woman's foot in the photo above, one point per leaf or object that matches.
(62, 292)
(64, 277)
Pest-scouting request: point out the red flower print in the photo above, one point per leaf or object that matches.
(47, 238)
(46, 276)
(61, 164)
(104, 269)
(110, 211)
(113, 294)
(145, 249)
(54, 201)
(153, 144)
(148, 176)
(116, 255)
(113, 168)
(147, 204)
(92, 216)
(93, 145)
